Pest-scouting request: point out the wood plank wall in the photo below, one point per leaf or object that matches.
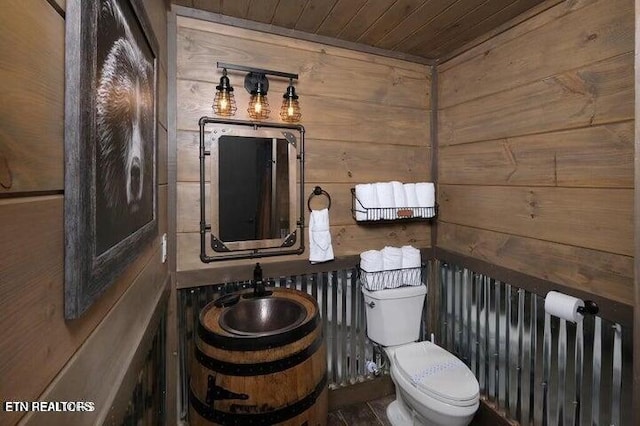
(366, 119)
(36, 343)
(536, 147)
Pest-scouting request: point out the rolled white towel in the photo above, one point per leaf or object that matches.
(386, 198)
(398, 194)
(392, 259)
(411, 258)
(412, 198)
(371, 261)
(366, 198)
(393, 274)
(426, 196)
(372, 268)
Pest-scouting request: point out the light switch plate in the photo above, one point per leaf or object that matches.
(164, 248)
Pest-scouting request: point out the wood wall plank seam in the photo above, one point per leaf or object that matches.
(505, 232)
(541, 133)
(304, 97)
(556, 74)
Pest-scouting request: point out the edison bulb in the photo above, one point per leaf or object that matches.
(258, 107)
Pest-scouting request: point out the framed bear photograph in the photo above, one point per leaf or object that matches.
(110, 144)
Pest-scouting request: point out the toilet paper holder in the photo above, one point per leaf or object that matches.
(568, 307)
(590, 308)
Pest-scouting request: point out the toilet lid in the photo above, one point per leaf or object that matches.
(437, 373)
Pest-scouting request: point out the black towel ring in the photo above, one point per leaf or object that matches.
(318, 191)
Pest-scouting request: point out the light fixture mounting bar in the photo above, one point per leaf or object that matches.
(256, 70)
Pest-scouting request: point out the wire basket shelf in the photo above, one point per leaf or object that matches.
(362, 214)
(391, 278)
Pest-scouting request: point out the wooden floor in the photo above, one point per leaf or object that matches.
(364, 414)
(374, 413)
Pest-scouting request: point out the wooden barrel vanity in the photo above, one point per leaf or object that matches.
(244, 375)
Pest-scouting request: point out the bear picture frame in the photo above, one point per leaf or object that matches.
(111, 196)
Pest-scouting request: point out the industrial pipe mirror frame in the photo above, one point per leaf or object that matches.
(289, 238)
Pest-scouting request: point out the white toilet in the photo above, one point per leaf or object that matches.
(433, 386)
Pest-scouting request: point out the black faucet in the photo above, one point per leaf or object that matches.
(258, 284)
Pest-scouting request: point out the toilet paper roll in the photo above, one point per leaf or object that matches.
(563, 306)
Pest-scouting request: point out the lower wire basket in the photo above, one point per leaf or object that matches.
(392, 278)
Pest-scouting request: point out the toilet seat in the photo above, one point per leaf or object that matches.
(438, 373)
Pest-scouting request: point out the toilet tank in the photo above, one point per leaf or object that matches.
(393, 315)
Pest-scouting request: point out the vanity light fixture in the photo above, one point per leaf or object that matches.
(224, 103)
(290, 110)
(257, 84)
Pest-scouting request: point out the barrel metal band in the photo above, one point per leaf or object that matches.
(265, 418)
(258, 368)
(257, 343)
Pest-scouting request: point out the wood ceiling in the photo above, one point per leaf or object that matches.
(417, 29)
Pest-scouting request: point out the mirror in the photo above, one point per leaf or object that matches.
(256, 185)
(253, 188)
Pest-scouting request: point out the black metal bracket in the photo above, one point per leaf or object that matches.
(218, 393)
(218, 245)
(256, 70)
(290, 240)
(291, 138)
(590, 308)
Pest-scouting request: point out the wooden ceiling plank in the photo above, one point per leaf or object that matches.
(482, 27)
(451, 14)
(288, 12)
(314, 15)
(390, 20)
(365, 17)
(425, 14)
(236, 8)
(262, 10)
(343, 12)
(208, 5)
(340, 15)
(469, 19)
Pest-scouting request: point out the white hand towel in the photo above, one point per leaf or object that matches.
(426, 195)
(411, 259)
(320, 248)
(386, 198)
(392, 259)
(367, 198)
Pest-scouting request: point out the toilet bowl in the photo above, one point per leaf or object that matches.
(433, 386)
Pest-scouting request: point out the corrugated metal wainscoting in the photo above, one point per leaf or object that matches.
(536, 369)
